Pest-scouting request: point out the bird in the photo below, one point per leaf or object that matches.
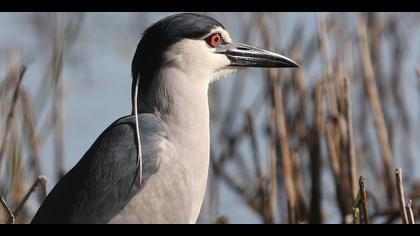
(151, 166)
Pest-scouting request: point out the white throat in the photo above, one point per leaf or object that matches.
(184, 109)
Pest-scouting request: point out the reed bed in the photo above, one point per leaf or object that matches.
(332, 141)
(331, 136)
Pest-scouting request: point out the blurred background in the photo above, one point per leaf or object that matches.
(288, 146)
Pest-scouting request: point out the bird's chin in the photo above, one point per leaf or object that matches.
(224, 72)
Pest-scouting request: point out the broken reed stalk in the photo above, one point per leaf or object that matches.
(363, 199)
(401, 196)
(360, 208)
(11, 219)
(284, 144)
(409, 208)
(372, 90)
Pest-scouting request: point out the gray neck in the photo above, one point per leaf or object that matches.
(181, 101)
(177, 98)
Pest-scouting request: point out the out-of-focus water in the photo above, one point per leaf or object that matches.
(97, 77)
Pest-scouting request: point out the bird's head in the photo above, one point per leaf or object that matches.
(198, 45)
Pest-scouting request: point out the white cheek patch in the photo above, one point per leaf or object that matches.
(196, 58)
(186, 52)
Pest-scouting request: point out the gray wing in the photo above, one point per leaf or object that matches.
(106, 178)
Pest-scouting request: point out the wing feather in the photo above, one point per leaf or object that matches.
(105, 179)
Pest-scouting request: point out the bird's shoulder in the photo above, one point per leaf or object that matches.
(112, 179)
(116, 147)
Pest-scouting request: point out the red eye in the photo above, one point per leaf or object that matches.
(215, 40)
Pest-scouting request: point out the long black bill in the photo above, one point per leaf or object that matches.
(242, 55)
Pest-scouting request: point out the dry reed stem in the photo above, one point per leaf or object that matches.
(32, 131)
(350, 143)
(315, 153)
(11, 114)
(273, 77)
(16, 74)
(58, 92)
(323, 39)
(261, 188)
(235, 98)
(301, 205)
(247, 194)
(237, 89)
(335, 167)
(300, 81)
(369, 79)
(334, 163)
(401, 196)
(257, 158)
(284, 144)
(325, 53)
(337, 132)
(40, 181)
(272, 195)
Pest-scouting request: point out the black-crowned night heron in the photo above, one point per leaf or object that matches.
(165, 180)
